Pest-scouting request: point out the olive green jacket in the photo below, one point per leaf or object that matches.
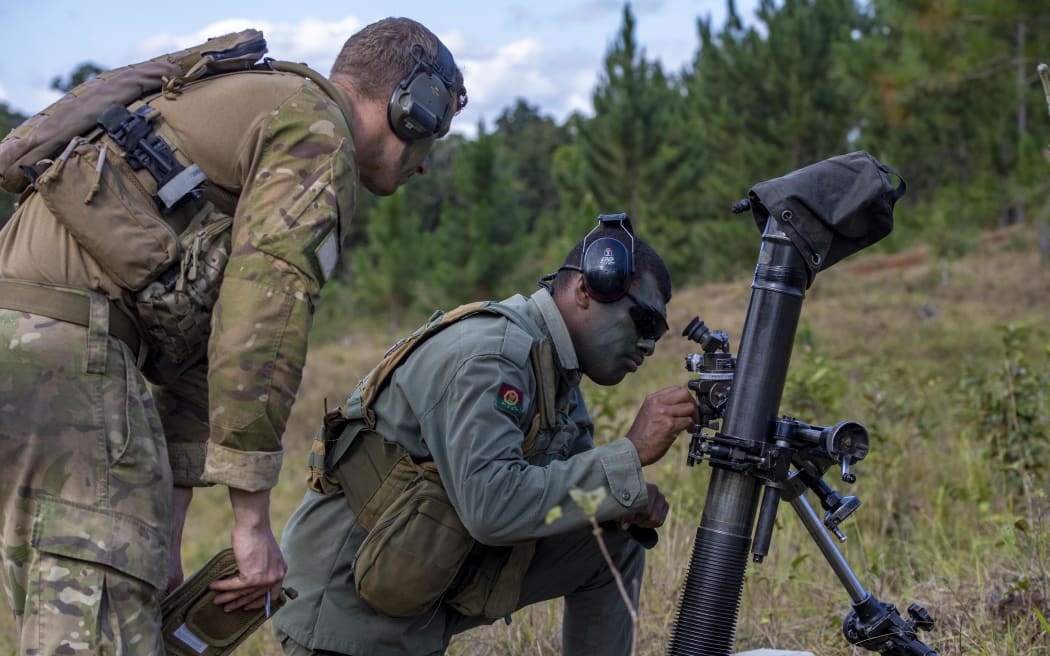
(464, 398)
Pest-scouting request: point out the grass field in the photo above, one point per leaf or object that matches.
(946, 363)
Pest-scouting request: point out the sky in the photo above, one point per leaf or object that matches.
(548, 52)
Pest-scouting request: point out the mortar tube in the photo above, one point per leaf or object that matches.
(707, 613)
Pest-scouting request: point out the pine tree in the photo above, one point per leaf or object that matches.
(481, 227)
(949, 86)
(631, 162)
(387, 267)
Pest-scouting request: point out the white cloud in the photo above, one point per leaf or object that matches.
(556, 77)
(558, 81)
(586, 12)
(314, 41)
(457, 44)
(509, 66)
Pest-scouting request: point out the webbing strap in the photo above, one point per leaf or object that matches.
(377, 458)
(330, 89)
(65, 305)
(373, 383)
(143, 149)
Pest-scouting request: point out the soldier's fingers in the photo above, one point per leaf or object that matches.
(233, 583)
(242, 582)
(225, 598)
(662, 507)
(673, 394)
(687, 411)
(250, 599)
(677, 406)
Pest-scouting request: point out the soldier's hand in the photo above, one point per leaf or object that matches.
(663, 415)
(655, 512)
(260, 565)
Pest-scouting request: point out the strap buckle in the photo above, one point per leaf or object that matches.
(145, 150)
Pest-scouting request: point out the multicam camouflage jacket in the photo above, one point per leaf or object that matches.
(282, 155)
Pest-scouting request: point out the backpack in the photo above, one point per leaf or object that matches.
(42, 137)
(174, 278)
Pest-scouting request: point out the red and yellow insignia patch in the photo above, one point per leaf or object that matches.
(510, 399)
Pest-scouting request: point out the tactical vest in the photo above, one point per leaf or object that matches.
(417, 552)
(115, 178)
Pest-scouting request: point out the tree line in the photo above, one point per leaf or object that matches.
(944, 91)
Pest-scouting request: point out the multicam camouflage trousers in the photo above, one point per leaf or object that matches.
(85, 490)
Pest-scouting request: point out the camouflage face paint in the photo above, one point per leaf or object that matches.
(413, 157)
(611, 346)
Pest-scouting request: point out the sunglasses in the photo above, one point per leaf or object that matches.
(649, 322)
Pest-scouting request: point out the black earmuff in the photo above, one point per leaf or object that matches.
(606, 263)
(423, 103)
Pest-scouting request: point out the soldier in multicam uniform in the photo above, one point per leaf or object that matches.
(89, 452)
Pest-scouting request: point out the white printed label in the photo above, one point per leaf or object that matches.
(184, 634)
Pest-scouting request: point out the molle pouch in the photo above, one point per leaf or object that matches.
(174, 311)
(335, 423)
(492, 579)
(193, 625)
(412, 556)
(94, 193)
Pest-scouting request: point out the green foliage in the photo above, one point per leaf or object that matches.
(950, 234)
(333, 312)
(429, 194)
(481, 228)
(761, 98)
(943, 91)
(589, 502)
(388, 266)
(606, 405)
(630, 159)
(625, 148)
(8, 119)
(946, 88)
(723, 249)
(553, 515)
(531, 141)
(1009, 405)
(814, 386)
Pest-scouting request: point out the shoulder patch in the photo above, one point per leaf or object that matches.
(510, 400)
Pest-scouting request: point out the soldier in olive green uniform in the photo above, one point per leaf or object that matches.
(464, 402)
(89, 453)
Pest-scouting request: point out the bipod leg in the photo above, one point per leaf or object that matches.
(827, 547)
(871, 624)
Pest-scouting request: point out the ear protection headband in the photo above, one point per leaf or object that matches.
(606, 264)
(423, 103)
